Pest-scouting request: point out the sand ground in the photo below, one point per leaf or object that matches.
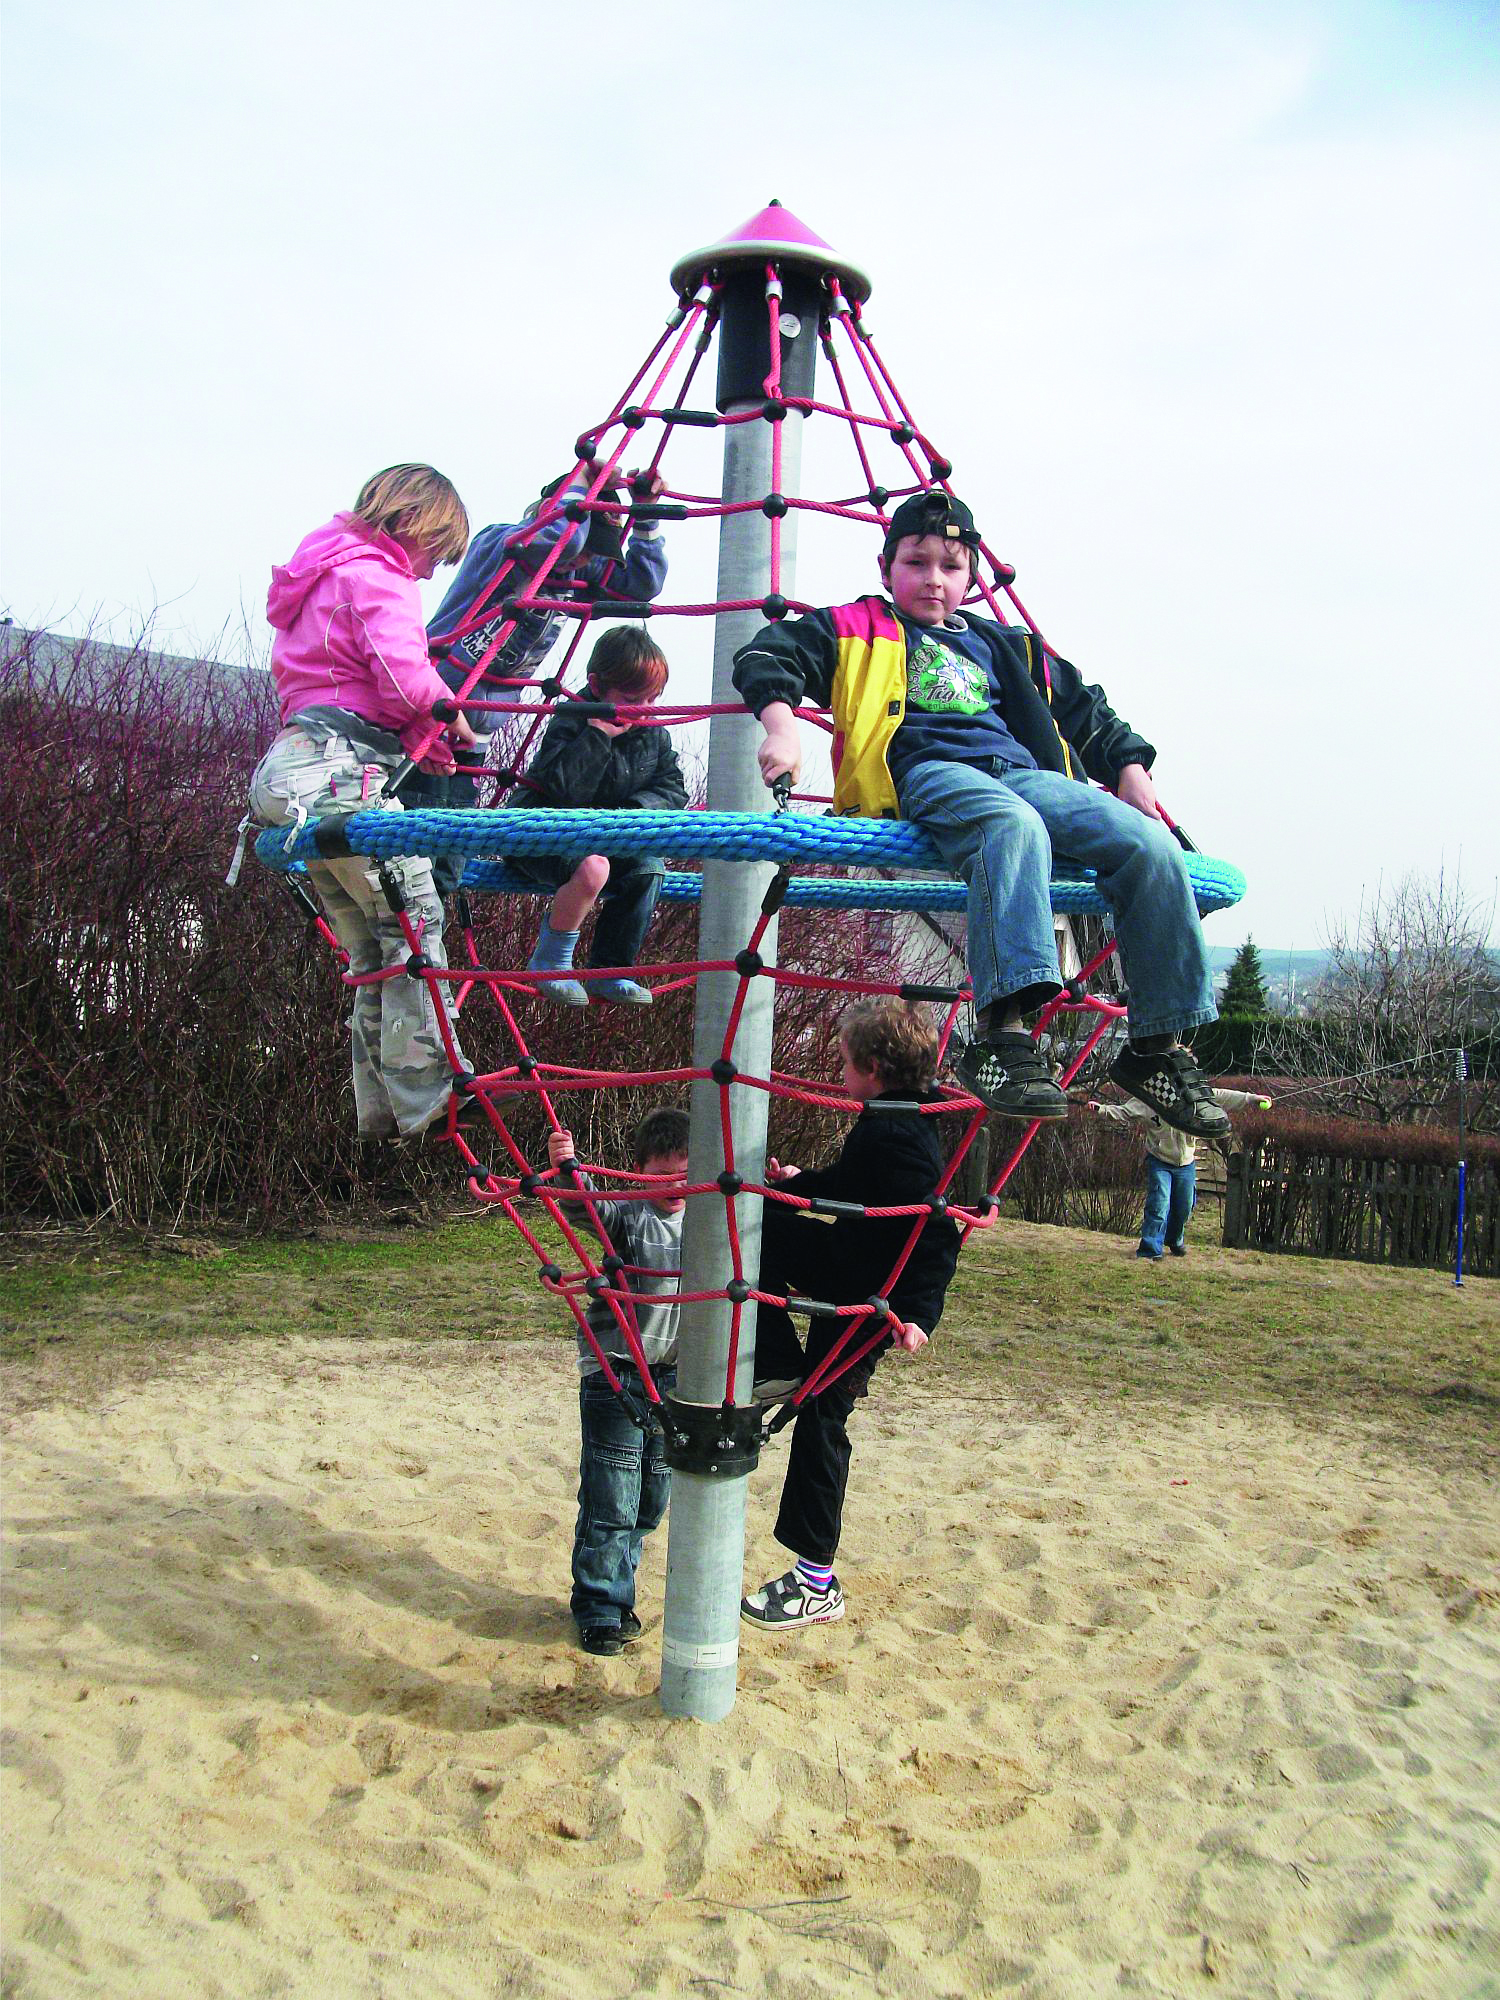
(1155, 1696)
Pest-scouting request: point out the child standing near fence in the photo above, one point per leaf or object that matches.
(1171, 1170)
(356, 691)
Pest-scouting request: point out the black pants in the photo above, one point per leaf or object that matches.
(795, 1257)
(625, 907)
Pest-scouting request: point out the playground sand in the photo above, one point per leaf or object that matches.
(1134, 1695)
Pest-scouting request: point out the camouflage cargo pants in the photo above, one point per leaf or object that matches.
(402, 1076)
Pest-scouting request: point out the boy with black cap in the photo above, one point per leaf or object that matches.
(980, 736)
(595, 564)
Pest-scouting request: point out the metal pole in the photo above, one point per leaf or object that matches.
(1461, 1069)
(706, 1535)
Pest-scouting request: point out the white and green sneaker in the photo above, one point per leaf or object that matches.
(788, 1601)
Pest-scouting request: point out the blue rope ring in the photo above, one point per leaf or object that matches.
(776, 837)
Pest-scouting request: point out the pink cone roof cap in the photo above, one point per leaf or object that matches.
(774, 233)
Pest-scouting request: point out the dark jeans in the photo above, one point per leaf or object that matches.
(625, 907)
(623, 1487)
(433, 791)
(794, 1258)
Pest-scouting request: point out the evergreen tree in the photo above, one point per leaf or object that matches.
(1245, 988)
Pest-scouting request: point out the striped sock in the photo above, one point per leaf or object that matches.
(815, 1576)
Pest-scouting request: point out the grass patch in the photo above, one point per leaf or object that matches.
(1034, 1312)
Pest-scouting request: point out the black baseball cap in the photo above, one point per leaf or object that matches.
(931, 513)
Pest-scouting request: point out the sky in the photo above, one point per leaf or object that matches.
(1201, 300)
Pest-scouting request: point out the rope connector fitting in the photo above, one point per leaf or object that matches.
(938, 1205)
(612, 1265)
(773, 506)
(987, 1204)
(418, 963)
(586, 449)
(748, 963)
(550, 1274)
(596, 1286)
(526, 1066)
(529, 1184)
(729, 1182)
(723, 1071)
(773, 410)
(720, 1443)
(940, 467)
(774, 606)
(878, 1305)
(634, 418)
(737, 1291)
(879, 495)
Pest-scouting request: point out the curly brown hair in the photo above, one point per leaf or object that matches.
(894, 1038)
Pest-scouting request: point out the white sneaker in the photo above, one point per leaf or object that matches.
(789, 1601)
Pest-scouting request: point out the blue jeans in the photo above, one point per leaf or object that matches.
(999, 828)
(1170, 1195)
(623, 1486)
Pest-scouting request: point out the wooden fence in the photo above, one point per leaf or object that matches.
(1377, 1211)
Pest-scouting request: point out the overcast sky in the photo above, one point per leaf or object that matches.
(1201, 301)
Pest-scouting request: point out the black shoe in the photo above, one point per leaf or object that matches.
(602, 1639)
(1170, 1083)
(1178, 1249)
(1009, 1073)
(630, 1628)
(1148, 1254)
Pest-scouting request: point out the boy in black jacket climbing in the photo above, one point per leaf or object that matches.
(591, 758)
(891, 1158)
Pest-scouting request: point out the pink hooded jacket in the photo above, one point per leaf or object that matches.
(349, 632)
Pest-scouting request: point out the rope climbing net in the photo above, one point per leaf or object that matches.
(889, 857)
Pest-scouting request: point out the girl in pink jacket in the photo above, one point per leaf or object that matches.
(357, 688)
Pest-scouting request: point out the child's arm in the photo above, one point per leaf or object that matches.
(385, 613)
(1106, 746)
(1122, 1114)
(573, 1184)
(1232, 1098)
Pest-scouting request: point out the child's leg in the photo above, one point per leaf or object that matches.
(1143, 877)
(606, 1541)
(1158, 1201)
(402, 1076)
(558, 938)
(990, 837)
(656, 1485)
(811, 1516)
(1180, 1206)
(634, 884)
(401, 1069)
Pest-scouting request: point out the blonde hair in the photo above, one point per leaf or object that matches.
(894, 1039)
(416, 501)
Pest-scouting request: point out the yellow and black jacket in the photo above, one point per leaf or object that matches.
(851, 658)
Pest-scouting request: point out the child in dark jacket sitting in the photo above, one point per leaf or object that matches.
(978, 734)
(591, 759)
(891, 1158)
